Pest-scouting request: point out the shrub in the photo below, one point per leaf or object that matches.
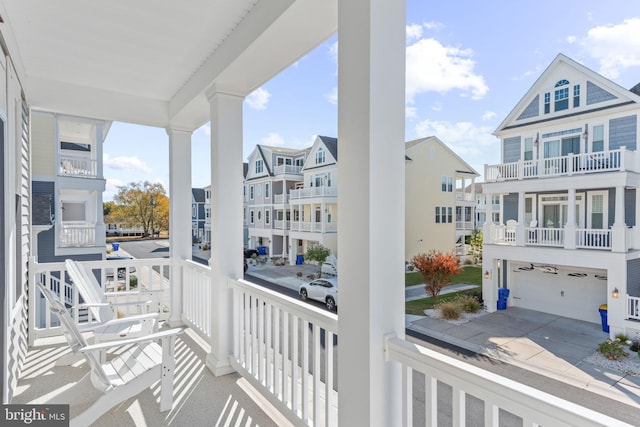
(299, 274)
(450, 310)
(612, 350)
(635, 345)
(477, 294)
(468, 303)
(133, 281)
(468, 261)
(622, 337)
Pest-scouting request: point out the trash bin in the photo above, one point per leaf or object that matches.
(115, 246)
(300, 260)
(503, 294)
(604, 318)
(262, 250)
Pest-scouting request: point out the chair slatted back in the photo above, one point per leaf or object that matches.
(72, 334)
(85, 282)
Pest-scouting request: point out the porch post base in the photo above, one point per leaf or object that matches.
(175, 322)
(218, 367)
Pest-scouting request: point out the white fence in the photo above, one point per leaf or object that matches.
(78, 166)
(196, 297)
(603, 161)
(593, 239)
(475, 391)
(286, 349)
(77, 234)
(314, 192)
(545, 236)
(117, 279)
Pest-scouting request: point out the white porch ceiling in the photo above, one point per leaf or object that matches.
(151, 61)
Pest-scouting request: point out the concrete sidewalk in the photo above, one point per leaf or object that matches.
(549, 345)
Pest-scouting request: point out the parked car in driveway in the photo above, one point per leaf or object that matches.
(249, 253)
(324, 290)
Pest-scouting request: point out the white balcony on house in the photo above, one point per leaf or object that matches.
(77, 234)
(77, 166)
(279, 199)
(305, 193)
(583, 238)
(314, 227)
(287, 170)
(571, 164)
(281, 224)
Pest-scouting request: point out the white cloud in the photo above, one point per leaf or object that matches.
(273, 139)
(571, 39)
(414, 32)
(434, 67)
(470, 142)
(433, 25)
(410, 112)
(258, 99)
(616, 47)
(333, 51)
(488, 115)
(332, 96)
(111, 188)
(132, 163)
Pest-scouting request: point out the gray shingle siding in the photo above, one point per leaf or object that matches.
(510, 207)
(596, 94)
(623, 131)
(633, 277)
(42, 195)
(46, 250)
(511, 149)
(532, 110)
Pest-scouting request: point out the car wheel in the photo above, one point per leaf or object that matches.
(331, 304)
(303, 294)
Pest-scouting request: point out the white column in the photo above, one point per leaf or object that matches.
(179, 214)
(371, 124)
(570, 226)
(100, 228)
(226, 208)
(618, 230)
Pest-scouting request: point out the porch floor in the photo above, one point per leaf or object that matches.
(200, 398)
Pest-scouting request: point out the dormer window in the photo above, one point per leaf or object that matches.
(561, 95)
(259, 166)
(319, 156)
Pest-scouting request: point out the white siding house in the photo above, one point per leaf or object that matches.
(569, 183)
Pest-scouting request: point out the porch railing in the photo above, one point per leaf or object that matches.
(285, 348)
(315, 227)
(541, 236)
(314, 192)
(196, 297)
(279, 199)
(281, 225)
(77, 234)
(287, 169)
(470, 386)
(117, 279)
(78, 166)
(633, 307)
(593, 238)
(571, 164)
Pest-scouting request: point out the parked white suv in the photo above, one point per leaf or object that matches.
(324, 290)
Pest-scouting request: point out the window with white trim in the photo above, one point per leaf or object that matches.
(597, 217)
(251, 192)
(266, 190)
(259, 166)
(251, 219)
(447, 184)
(266, 216)
(597, 144)
(319, 156)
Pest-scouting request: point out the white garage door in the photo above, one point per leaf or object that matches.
(577, 296)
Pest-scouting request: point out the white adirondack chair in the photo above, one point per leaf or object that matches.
(107, 327)
(142, 364)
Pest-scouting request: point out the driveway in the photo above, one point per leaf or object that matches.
(549, 345)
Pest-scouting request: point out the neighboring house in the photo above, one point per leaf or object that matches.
(67, 186)
(439, 212)
(487, 206)
(197, 214)
(570, 200)
(314, 201)
(206, 239)
(271, 174)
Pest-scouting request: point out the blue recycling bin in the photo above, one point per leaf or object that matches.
(604, 317)
(299, 259)
(262, 250)
(503, 294)
(115, 246)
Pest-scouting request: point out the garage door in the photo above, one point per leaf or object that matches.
(570, 293)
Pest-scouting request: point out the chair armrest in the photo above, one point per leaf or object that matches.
(92, 304)
(119, 343)
(128, 293)
(139, 317)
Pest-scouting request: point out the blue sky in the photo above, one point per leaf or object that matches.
(467, 67)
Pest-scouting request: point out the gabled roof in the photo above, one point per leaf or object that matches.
(616, 95)
(466, 168)
(198, 194)
(331, 144)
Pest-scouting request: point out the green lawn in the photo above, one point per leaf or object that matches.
(470, 274)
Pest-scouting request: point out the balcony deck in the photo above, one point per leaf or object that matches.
(200, 398)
